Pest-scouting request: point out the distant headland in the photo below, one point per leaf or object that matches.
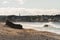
(35, 18)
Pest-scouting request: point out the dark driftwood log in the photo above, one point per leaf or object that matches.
(12, 25)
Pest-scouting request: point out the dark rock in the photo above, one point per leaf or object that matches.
(12, 25)
(46, 25)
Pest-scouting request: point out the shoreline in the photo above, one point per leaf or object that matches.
(7, 33)
(41, 28)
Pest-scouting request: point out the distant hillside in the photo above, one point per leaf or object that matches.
(35, 18)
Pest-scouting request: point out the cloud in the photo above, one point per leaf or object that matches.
(24, 11)
(11, 3)
(21, 1)
(5, 2)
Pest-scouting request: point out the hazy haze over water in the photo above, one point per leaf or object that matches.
(27, 11)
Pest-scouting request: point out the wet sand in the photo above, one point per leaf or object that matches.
(7, 33)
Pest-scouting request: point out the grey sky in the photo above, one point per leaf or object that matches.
(43, 4)
(31, 3)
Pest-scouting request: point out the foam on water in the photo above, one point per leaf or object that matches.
(40, 26)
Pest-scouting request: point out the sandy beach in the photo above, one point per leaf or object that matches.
(7, 33)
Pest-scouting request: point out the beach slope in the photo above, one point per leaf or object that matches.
(7, 33)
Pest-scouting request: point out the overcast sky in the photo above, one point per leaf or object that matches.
(49, 4)
(29, 7)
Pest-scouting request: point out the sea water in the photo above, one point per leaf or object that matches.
(54, 26)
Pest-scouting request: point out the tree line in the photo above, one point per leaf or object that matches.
(35, 18)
